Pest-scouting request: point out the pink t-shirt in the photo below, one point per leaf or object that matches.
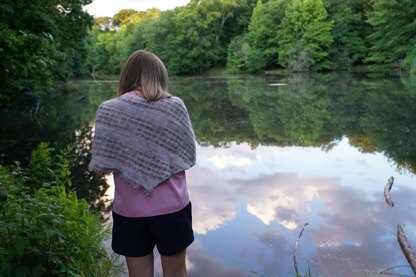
(168, 197)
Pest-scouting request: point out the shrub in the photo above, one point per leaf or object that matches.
(48, 232)
(235, 57)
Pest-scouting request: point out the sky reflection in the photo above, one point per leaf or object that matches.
(250, 204)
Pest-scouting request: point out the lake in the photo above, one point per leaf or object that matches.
(273, 153)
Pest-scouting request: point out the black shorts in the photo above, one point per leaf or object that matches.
(136, 237)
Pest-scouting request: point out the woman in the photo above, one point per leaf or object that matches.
(145, 138)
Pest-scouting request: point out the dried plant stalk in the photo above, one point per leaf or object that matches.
(295, 263)
(406, 248)
(387, 190)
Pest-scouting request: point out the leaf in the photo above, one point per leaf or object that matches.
(22, 271)
(38, 271)
(20, 244)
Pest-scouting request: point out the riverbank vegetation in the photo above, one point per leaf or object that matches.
(259, 35)
(44, 229)
(42, 43)
(45, 43)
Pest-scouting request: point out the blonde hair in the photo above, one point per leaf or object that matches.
(144, 71)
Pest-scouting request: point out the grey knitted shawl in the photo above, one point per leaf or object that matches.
(145, 141)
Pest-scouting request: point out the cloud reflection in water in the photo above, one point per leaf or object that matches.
(256, 216)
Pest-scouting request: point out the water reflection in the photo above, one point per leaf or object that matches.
(351, 231)
(57, 120)
(270, 158)
(318, 150)
(200, 264)
(63, 119)
(89, 186)
(375, 114)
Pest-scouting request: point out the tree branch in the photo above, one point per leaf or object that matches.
(387, 189)
(406, 248)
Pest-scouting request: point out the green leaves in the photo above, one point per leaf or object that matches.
(260, 47)
(48, 231)
(394, 30)
(299, 35)
(40, 42)
(306, 32)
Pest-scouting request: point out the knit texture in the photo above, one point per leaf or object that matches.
(146, 142)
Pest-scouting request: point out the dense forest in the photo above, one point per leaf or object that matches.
(258, 35)
(42, 42)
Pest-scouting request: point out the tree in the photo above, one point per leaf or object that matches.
(40, 42)
(122, 15)
(257, 36)
(265, 23)
(136, 17)
(98, 55)
(348, 45)
(191, 38)
(236, 60)
(105, 23)
(306, 31)
(260, 47)
(188, 39)
(394, 30)
(242, 16)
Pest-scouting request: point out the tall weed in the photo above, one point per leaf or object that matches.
(48, 231)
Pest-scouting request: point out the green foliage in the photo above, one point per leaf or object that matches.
(48, 232)
(235, 56)
(216, 120)
(295, 114)
(108, 48)
(300, 57)
(122, 15)
(194, 39)
(253, 57)
(389, 129)
(348, 45)
(40, 42)
(305, 110)
(103, 51)
(61, 120)
(57, 122)
(242, 17)
(40, 165)
(264, 26)
(104, 23)
(394, 30)
(257, 36)
(260, 47)
(135, 17)
(306, 28)
(46, 41)
(188, 39)
(254, 35)
(410, 61)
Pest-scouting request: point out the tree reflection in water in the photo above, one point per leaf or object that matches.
(63, 119)
(270, 159)
(89, 186)
(377, 115)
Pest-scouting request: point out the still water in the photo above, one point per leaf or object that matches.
(274, 153)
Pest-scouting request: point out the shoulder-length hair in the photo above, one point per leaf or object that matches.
(144, 71)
